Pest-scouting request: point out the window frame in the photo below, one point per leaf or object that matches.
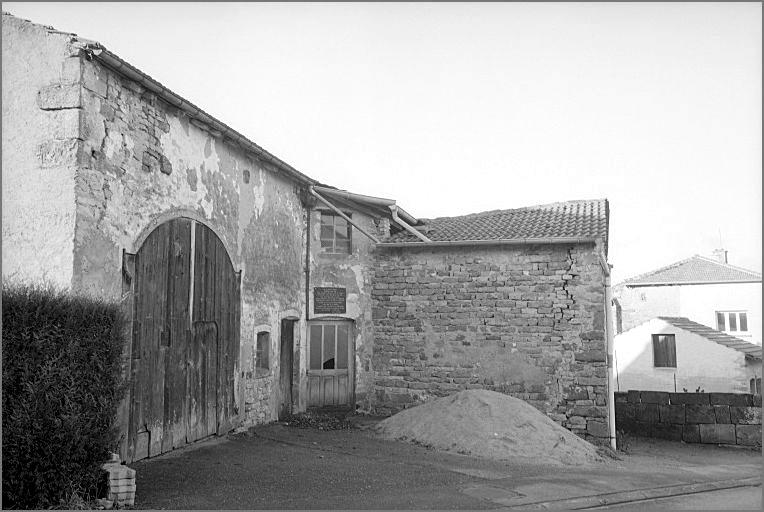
(260, 370)
(334, 246)
(656, 341)
(740, 317)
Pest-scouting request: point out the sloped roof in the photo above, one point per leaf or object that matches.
(695, 270)
(751, 350)
(585, 219)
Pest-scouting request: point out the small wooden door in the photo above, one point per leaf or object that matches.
(286, 368)
(330, 364)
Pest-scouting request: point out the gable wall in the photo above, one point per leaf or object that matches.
(527, 321)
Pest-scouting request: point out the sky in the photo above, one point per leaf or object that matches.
(456, 108)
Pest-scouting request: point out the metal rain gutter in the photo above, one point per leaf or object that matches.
(505, 241)
(415, 232)
(341, 214)
(218, 128)
(360, 198)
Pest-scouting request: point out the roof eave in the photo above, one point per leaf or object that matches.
(118, 65)
(506, 241)
(678, 283)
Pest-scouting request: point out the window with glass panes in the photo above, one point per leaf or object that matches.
(335, 233)
(329, 346)
(732, 321)
(664, 351)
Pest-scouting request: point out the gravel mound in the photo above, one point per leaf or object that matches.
(488, 424)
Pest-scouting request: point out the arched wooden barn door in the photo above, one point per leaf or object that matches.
(185, 339)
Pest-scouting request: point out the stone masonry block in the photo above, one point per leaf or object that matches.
(722, 413)
(717, 434)
(597, 428)
(57, 153)
(748, 435)
(745, 415)
(591, 355)
(633, 396)
(669, 431)
(647, 413)
(695, 413)
(673, 414)
(689, 398)
(737, 399)
(620, 396)
(654, 397)
(691, 433)
(59, 97)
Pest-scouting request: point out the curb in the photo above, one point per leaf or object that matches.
(613, 498)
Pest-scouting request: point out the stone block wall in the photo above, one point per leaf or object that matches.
(712, 418)
(527, 321)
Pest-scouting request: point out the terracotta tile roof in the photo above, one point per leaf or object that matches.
(751, 350)
(569, 219)
(697, 269)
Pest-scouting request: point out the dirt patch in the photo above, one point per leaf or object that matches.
(489, 424)
(318, 420)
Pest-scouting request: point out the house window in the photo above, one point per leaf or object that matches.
(664, 351)
(756, 386)
(262, 354)
(335, 233)
(732, 321)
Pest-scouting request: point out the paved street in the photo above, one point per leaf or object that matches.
(740, 498)
(280, 467)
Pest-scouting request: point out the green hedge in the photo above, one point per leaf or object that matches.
(61, 388)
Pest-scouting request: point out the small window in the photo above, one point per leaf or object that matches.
(732, 321)
(664, 351)
(262, 354)
(756, 386)
(335, 233)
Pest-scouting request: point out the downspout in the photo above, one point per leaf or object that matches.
(341, 214)
(415, 232)
(308, 235)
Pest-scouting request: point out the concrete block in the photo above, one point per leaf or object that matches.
(737, 399)
(620, 397)
(748, 435)
(59, 97)
(624, 411)
(673, 414)
(689, 398)
(654, 397)
(745, 415)
(756, 400)
(695, 413)
(691, 433)
(717, 434)
(722, 413)
(632, 396)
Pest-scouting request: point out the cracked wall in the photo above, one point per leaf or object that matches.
(41, 110)
(353, 273)
(526, 321)
(143, 162)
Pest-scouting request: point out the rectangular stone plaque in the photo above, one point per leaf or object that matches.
(329, 300)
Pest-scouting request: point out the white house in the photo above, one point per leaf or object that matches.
(708, 291)
(676, 354)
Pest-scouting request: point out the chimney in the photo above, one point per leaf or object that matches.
(720, 255)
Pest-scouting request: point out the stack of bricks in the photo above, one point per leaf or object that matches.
(527, 322)
(712, 418)
(121, 482)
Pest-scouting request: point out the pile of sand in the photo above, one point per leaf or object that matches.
(488, 424)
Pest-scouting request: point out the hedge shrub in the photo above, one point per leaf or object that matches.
(61, 388)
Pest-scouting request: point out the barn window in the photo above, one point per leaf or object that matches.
(262, 354)
(664, 351)
(732, 321)
(335, 233)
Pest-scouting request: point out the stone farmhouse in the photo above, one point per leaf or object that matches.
(255, 291)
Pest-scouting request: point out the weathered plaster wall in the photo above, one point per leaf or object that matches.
(144, 162)
(526, 321)
(700, 363)
(352, 272)
(41, 111)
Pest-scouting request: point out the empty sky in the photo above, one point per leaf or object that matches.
(459, 108)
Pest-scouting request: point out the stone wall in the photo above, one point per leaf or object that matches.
(527, 321)
(713, 418)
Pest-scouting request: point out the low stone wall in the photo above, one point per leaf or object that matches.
(714, 418)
